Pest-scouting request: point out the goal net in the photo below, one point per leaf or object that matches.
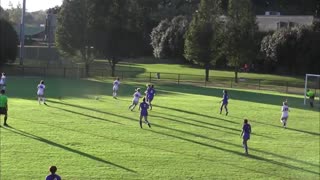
(312, 82)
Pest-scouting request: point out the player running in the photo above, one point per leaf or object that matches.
(150, 95)
(115, 88)
(285, 114)
(41, 87)
(224, 102)
(245, 134)
(135, 100)
(144, 112)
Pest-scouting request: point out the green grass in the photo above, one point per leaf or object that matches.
(101, 139)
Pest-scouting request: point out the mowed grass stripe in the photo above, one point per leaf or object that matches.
(188, 138)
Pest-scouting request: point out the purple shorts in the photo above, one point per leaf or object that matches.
(246, 136)
(144, 113)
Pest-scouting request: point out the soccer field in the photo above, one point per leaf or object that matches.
(99, 138)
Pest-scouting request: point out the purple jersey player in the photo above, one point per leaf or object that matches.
(245, 134)
(53, 175)
(150, 95)
(144, 112)
(224, 102)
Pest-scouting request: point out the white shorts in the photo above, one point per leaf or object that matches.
(40, 93)
(284, 118)
(115, 88)
(135, 102)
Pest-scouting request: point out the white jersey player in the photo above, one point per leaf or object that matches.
(3, 81)
(285, 114)
(135, 100)
(41, 88)
(115, 88)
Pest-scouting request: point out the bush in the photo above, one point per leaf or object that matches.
(8, 43)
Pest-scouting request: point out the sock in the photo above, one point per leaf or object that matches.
(140, 124)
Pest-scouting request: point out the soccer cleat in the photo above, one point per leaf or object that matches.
(5, 124)
(227, 113)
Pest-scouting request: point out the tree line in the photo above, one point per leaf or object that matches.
(210, 33)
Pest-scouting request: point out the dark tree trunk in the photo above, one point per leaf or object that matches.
(87, 68)
(207, 69)
(113, 68)
(236, 74)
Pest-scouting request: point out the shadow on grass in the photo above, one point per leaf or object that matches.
(219, 126)
(43, 140)
(256, 97)
(82, 114)
(155, 148)
(238, 153)
(201, 136)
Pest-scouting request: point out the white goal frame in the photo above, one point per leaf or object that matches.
(306, 84)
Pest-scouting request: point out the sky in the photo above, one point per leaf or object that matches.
(32, 5)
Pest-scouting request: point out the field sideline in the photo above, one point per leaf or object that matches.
(101, 139)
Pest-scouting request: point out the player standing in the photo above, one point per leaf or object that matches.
(135, 100)
(245, 134)
(41, 88)
(150, 95)
(285, 114)
(144, 112)
(311, 96)
(4, 106)
(224, 102)
(3, 81)
(53, 175)
(115, 88)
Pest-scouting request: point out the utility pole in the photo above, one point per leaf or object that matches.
(22, 32)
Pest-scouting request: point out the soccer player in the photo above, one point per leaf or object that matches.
(53, 175)
(245, 134)
(3, 81)
(224, 102)
(4, 106)
(115, 88)
(311, 96)
(150, 95)
(144, 112)
(135, 100)
(41, 87)
(285, 114)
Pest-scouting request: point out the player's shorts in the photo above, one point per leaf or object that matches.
(143, 113)
(135, 102)
(150, 98)
(115, 88)
(3, 110)
(284, 117)
(40, 93)
(246, 136)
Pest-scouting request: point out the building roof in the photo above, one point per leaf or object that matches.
(270, 22)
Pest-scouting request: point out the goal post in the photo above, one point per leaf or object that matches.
(306, 85)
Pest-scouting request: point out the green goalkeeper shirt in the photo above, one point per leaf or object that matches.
(3, 101)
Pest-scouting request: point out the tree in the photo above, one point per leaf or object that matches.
(294, 50)
(117, 29)
(167, 39)
(4, 14)
(8, 43)
(74, 31)
(239, 35)
(200, 43)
